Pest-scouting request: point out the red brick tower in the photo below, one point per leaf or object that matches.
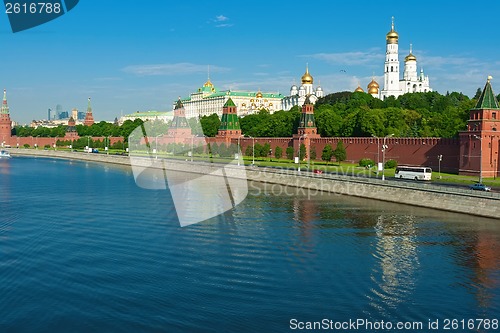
(179, 128)
(479, 145)
(89, 118)
(5, 122)
(71, 133)
(307, 128)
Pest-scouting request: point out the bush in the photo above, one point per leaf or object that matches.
(390, 164)
(366, 162)
(289, 153)
(26, 145)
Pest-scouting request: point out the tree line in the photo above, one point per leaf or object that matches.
(341, 114)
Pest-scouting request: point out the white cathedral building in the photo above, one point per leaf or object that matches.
(411, 82)
(299, 95)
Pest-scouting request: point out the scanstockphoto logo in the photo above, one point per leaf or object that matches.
(25, 15)
(180, 160)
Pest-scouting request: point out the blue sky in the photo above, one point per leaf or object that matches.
(130, 55)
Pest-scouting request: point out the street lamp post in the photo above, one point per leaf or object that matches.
(88, 144)
(384, 147)
(480, 158)
(107, 145)
(156, 146)
(378, 152)
(253, 151)
(440, 158)
(301, 137)
(192, 147)
(239, 149)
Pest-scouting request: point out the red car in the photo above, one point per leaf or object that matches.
(317, 171)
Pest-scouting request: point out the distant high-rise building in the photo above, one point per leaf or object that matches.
(64, 115)
(59, 110)
(74, 113)
(48, 113)
(81, 115)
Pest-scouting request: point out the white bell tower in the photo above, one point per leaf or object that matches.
(391, 70)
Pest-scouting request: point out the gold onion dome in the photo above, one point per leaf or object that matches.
(410, 57)
(307, 78)
(208, 84)
(392, 36)
(359, 89)
(373, 87)
(259, 95)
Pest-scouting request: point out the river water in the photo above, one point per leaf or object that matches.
(83, 249)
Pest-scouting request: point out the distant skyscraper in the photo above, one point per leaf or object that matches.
(59, 110)
(74, 113)
(48, 113)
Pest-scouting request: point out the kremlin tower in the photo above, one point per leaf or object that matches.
(89, 118)
(5, 122)
(229, 124)
(179, 128)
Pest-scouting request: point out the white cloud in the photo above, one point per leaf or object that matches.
(221, 18)
(171, 69)
(221, 21)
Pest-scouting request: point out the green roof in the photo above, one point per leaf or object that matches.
(150, 114)
(229, 122)
(487, 99)
(237, 94)
(229, 102)
(179, 105)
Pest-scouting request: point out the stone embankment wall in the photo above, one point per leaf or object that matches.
(411, 193)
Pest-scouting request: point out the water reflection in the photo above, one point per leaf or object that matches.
(397, 260)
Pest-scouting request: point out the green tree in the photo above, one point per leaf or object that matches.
(340, 153)
(289, 153)
(302, 151)
(278, 152)
(327, 154)
(313, 152)
(210, 124)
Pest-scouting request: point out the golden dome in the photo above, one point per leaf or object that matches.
(259, 95)
(208, 84)
(392, 36)
(373, 84)
(373, 90)
(359, 89)
(307, 78)
(410, 57)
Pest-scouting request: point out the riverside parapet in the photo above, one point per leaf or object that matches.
(410, 193)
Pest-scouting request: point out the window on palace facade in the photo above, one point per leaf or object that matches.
(494, 115)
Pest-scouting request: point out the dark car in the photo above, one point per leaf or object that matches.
(480, 187)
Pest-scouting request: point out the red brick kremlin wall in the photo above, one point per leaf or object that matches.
(406, 151)
(41, 142)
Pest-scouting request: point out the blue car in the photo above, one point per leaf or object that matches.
(480, 187)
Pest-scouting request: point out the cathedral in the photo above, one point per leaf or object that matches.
(298, 95)
(394, 85)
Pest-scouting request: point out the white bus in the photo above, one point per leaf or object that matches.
(413, 172)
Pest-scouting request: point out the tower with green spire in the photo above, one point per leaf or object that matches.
(480, 143)
(229, 123)
(89, 118)
(5, 122)
(179, 128)
(307, 130)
